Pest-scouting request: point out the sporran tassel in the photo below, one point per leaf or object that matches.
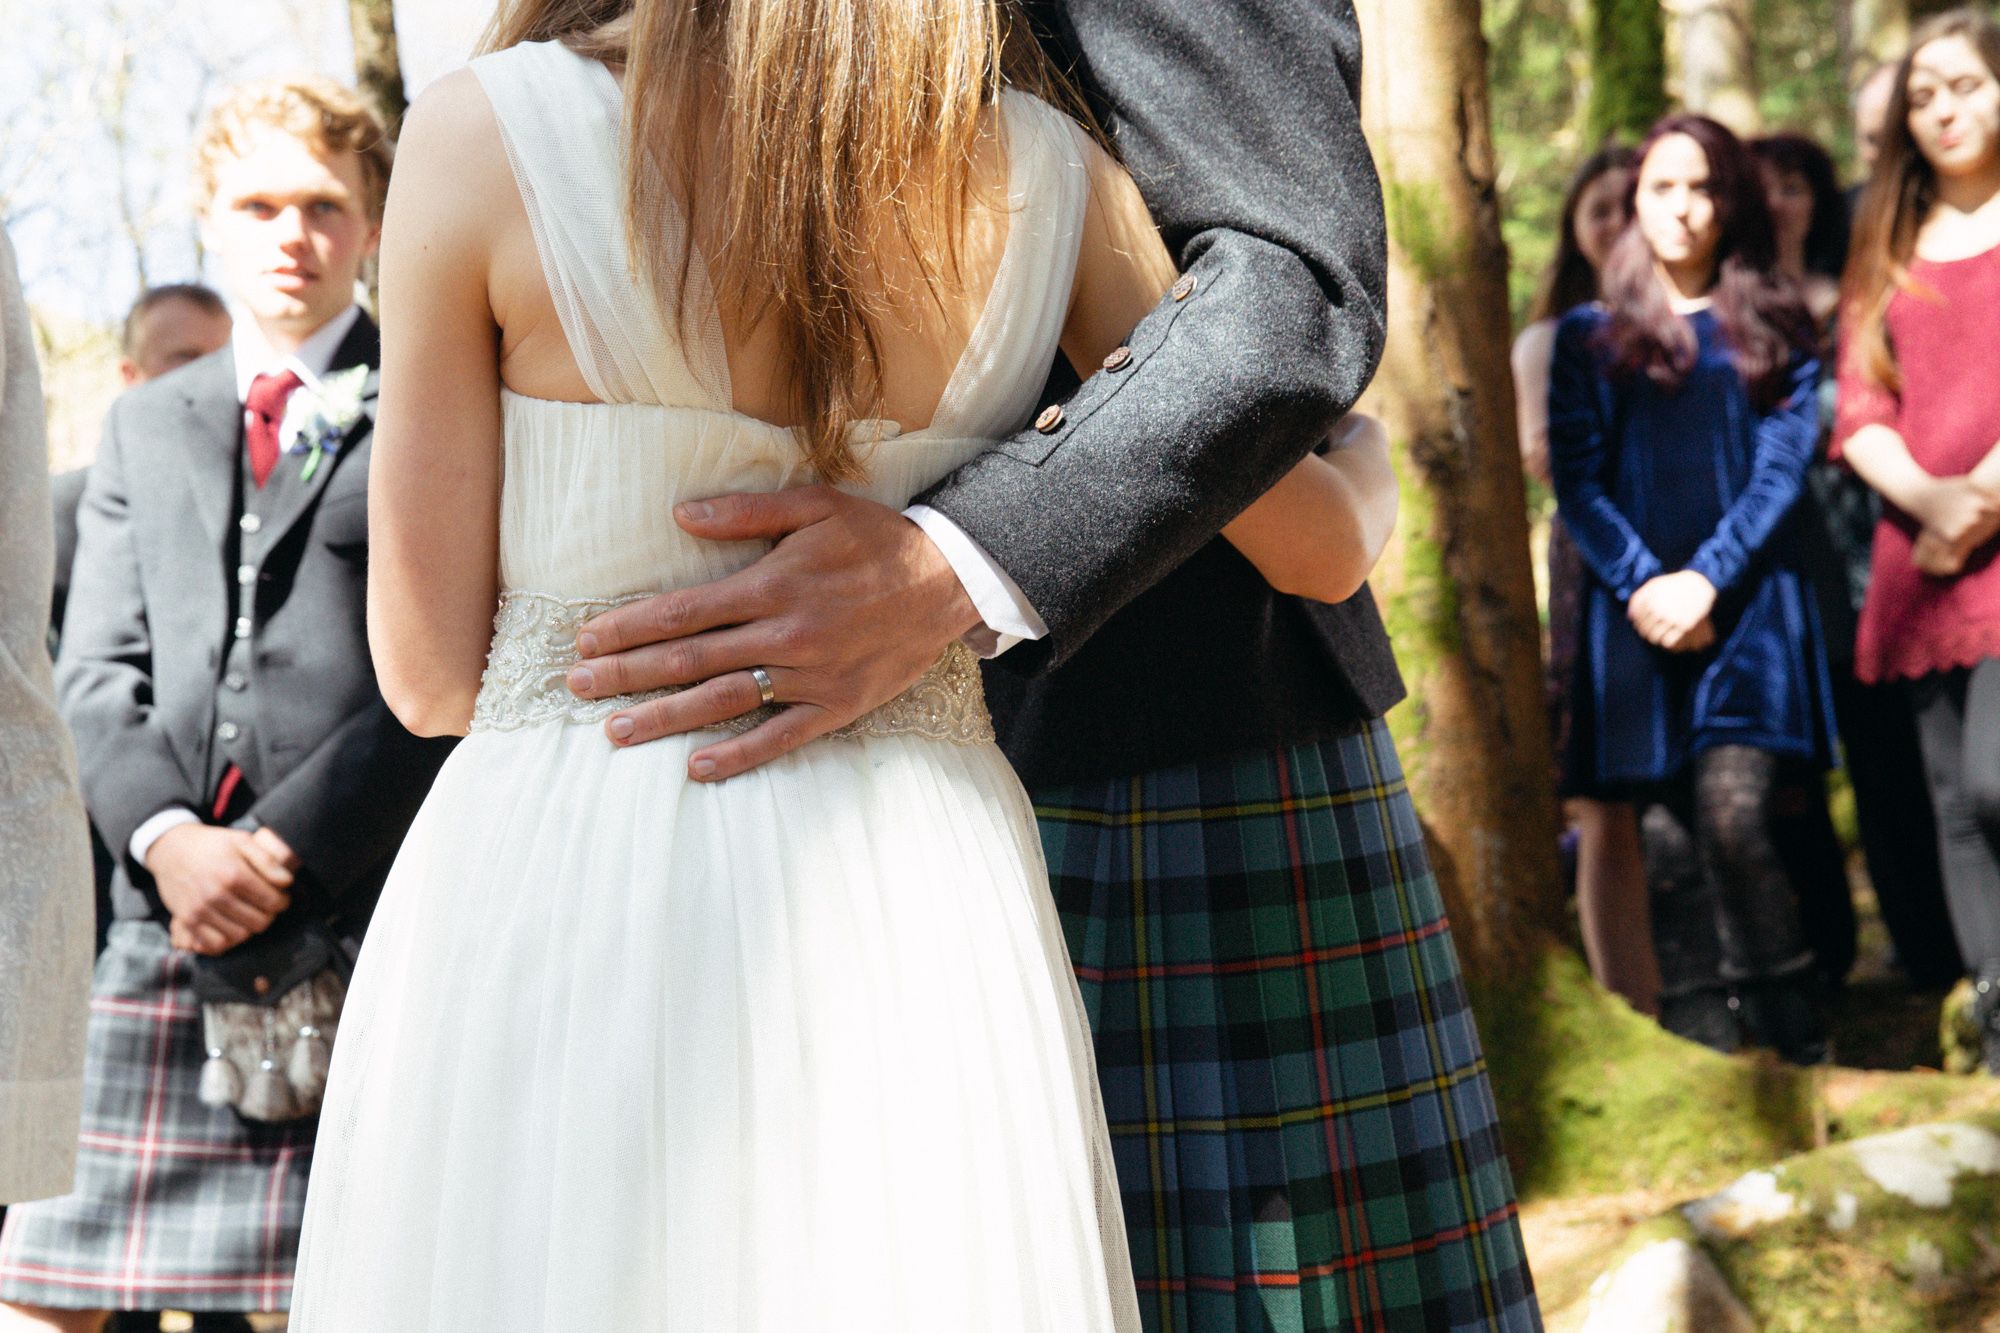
(221, 1084)
(269, 1096)
(308, 1065)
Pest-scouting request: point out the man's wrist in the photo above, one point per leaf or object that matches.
(996, 612)
(148, 834)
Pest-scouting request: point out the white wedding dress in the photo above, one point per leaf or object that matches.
(797, 1051)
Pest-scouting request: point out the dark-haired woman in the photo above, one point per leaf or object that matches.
(1610, 871)
(1918, 421)
(1682, 417)
(1878, 733)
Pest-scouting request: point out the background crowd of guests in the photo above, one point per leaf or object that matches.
(1773, 451)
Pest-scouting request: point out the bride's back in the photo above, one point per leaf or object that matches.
(624, 399)
(919, 344)
(824, 194)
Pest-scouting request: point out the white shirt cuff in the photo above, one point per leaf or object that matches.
(998, 599)
(149, 832)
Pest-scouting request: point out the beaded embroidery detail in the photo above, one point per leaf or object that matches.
(534, 647)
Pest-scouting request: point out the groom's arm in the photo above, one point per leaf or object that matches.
(1239, 119)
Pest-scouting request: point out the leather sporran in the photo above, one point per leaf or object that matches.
(269, 1019)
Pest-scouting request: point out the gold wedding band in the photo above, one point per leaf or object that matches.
(766, 693)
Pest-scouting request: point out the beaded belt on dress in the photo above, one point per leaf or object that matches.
(534, 647)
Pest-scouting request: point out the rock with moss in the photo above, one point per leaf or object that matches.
(1958, 1031)
(1895, 1233)
(1667, 1285)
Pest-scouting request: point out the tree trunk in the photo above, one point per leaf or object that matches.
(378, 67)
(1457, 589)
(1628, 68)
(1591, 1094)
(1873, 31)
(1718, 62)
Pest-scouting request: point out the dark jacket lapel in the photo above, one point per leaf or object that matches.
(361, 347)
(211, 439)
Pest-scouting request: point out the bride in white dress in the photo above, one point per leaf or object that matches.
(799, 1050)
(796, 1051)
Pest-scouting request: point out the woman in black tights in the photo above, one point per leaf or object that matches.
(1682, 416)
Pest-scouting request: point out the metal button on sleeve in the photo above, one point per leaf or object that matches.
(1051, 419)
(229, 731)
(1120, 358)
(1185, 287)
(250, 523)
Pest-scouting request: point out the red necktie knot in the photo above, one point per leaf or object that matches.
(263, 409)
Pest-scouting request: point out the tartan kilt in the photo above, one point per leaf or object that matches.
(1303, 1129)
(177, 1205)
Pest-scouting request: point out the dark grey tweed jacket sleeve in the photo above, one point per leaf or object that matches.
(1239, 120)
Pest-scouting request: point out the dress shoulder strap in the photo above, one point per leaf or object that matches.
(1000, 376)
(560, 115)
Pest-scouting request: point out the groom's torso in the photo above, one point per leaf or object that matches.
(1210, 661)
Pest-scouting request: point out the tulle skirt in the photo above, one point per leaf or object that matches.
(796, 1051)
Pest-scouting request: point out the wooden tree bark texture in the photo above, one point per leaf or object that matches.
(1628, 68)
(1718, 62)
(1874, 31)
(378, 65)
(1457, 589)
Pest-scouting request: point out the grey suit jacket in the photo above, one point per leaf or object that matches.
(151, 610)
(65, 496)
(1239, 120)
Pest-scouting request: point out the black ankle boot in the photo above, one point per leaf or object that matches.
(1702, 1014)
(1784, 1014)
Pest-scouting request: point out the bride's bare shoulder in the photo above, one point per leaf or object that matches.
(449, 156)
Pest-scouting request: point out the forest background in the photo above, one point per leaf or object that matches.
(1477, 112)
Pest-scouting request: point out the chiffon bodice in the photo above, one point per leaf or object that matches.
(589, 487)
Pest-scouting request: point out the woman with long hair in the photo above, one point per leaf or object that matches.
(1878, 734)
(1682, 416)
(1610, 869)
(1918, 422)
(799, 1049)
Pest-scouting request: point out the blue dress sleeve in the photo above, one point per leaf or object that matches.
(1787, 438)
(1581, 458)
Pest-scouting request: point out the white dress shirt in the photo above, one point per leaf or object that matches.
(998, 599)
(255, 356)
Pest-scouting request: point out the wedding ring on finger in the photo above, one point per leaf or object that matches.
(767, 693)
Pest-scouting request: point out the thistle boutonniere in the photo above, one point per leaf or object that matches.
(319, 414)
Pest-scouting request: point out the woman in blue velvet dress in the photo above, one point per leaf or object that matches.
(1682, 418)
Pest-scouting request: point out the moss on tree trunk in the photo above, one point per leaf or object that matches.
(1628, 68)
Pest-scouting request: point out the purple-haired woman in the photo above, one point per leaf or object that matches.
(1682, 417)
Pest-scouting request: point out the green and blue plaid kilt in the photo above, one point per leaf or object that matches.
(1304, 1132)
(177, 1205)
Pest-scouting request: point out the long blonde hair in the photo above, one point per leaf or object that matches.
(846, 122)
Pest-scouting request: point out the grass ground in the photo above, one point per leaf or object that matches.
(1886, 1038)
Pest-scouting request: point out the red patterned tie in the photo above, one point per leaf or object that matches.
(262, 411)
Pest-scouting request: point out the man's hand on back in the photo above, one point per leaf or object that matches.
(847, 611)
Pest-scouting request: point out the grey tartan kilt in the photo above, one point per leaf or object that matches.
(177, 1205)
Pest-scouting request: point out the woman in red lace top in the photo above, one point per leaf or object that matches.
(1919, 420)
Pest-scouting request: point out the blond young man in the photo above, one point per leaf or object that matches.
(235, 750)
